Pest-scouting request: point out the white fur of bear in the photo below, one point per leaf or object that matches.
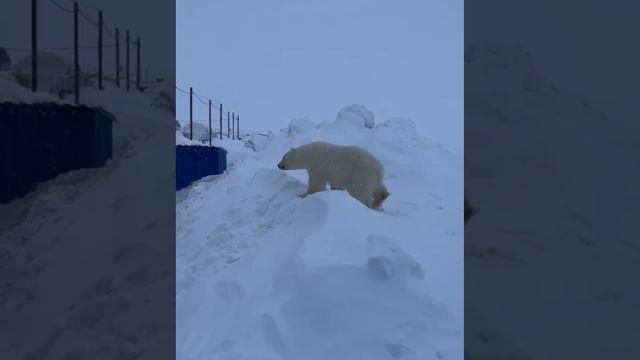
(349, 168)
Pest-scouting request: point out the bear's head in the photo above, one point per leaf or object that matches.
(288, 161)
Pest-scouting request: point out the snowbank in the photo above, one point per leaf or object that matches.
(92, 228)
(265, 274)
(183, 140)
(301, 125)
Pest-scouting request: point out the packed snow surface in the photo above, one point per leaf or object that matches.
(265, 274)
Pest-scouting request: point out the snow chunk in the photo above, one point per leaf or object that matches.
(387, 260)
(182, 140)
(356, 115)
(299, 126)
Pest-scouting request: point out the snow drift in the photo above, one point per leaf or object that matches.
(264, 274)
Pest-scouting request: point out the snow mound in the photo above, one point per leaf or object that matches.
(299, 126)
(11, 91)
(256, 141)
(183, 140)
(266, 274)
(401, 126)
(356, 115)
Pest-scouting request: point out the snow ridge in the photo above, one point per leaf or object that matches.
(265, 274)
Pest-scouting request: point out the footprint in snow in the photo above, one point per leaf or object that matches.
(394, 212)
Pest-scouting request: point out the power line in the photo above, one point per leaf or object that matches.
(97, 25)
(86, 17)
(185, 92)
(54, 2)
(89, 5)
(199, 98)
(212, 102)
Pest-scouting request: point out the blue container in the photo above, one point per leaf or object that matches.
(41, 141)
(196, 162)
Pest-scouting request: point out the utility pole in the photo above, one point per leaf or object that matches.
(117, 57)
(220, 121)
(210, 134)
(100, 24)
(190, 113)
(34, 45)
(138, 66)
(127, 75)
(75, 51)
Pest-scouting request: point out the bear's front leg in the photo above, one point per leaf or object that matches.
(316, 184)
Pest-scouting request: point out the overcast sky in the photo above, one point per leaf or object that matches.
(275, 60)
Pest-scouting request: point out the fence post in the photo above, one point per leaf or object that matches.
(75, 51)
(190, 113)
(34, 45)
(127, 56)
(220, 121)
(100, 50)
(238, 127)
(117, 57)
(210, 134)
(138, 66)
(233, 126)
(228, 126)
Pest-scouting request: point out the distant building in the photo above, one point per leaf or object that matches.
(5, 60)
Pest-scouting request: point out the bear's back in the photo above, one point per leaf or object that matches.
(350, 154)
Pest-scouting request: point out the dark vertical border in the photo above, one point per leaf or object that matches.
(87, 259)
(552, 251)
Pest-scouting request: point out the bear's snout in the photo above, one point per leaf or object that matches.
(280, 166)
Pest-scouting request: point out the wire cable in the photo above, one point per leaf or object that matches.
(54, 2)
(184, 92)
(86, 17)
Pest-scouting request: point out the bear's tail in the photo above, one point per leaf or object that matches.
(380, 194)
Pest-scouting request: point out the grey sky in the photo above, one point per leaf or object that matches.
(275, 60)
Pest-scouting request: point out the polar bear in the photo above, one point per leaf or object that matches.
(347, 168)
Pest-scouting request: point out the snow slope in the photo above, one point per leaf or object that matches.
(265, 274)
(71, 280)
(554, 232)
